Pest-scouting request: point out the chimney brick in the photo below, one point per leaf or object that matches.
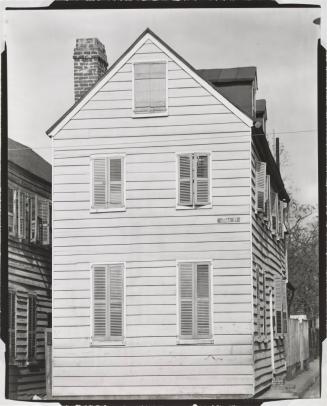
(90, 64)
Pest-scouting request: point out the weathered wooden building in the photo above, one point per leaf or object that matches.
(169, 263)
(29, 268)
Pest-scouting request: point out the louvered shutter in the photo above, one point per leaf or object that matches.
(116, 304)
(15, 212)
(267, 201)
(281, 219)
(285, 321)
(278, 303)
(10, 210)
(201, 181)
(115, 182)
(21, 214)
(44, 215)
(202, 301)
(32, 322)
(264, 304)
(185, 180)
(273, 211)
(186, 293)
(285, 217)
(99, 302)
(149, 87)
(258, 302)
(12, 325)
(33, 216)
(260, 181)
(99, 182)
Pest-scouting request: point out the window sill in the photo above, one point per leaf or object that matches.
(194, 341)
(208, 206)
(107, 343)
(146, 115)
(103, 210)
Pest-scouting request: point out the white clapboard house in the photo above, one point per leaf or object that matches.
(169, 261)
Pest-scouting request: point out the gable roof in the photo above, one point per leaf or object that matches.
(125, 56)
(30, 161)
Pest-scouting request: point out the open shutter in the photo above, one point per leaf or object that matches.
(202, 300)
(99, 302)
(201, 181)
(33, 216)
(285, 321)
(116, 305)
(278, 303)
(21, 214)
(267, 201)
(32, 321)
(260, 188)
(281, 219)
(15, 213)
(258, 301)
(12, 325)
(274, 198)
(115, 182)
(99, 182)
(185, 180)
(10, 211)
(286, 225)
(45, 221)
(186, 292)
(264, 304)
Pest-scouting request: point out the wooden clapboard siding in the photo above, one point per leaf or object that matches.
(150, 236)
(29, 271)
(269, 254)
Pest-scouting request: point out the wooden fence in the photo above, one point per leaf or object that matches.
(297, 345)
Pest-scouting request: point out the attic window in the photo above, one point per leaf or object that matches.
(150, 88)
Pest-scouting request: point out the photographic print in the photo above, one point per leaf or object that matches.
(163, 204)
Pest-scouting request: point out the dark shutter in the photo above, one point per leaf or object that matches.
(12, 325)
(278, 303)
(32, 323)
(201, 181)
(185, 180)
(268, 201)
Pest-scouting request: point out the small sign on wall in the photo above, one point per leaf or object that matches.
(228, 220)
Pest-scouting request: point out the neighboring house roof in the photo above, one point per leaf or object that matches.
(236, 84)
(30, 161)
(213, 89)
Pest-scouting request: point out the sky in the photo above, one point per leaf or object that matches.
(281, 43)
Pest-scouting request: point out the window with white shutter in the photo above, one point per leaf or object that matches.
(194, 300)
(150, 88)
(260, 186)
(31, 326)
(12, 299)
(267, 215)
(108, 302)
(107, 183)
(21, 214)
(194, 180)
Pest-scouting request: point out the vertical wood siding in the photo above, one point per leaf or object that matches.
(29, 271)
(269, 254)
(150, 236)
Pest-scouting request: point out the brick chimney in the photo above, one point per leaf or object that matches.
(90, 64)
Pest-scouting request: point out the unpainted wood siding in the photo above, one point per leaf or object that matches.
(150, 236)
(269, 254)
(29, 272)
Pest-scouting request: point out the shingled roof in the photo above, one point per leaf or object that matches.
(30, 161)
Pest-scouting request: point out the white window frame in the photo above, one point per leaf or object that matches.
(194, 206)
(155, 114)
(105, 342)
(195, 341)
(107, 209)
